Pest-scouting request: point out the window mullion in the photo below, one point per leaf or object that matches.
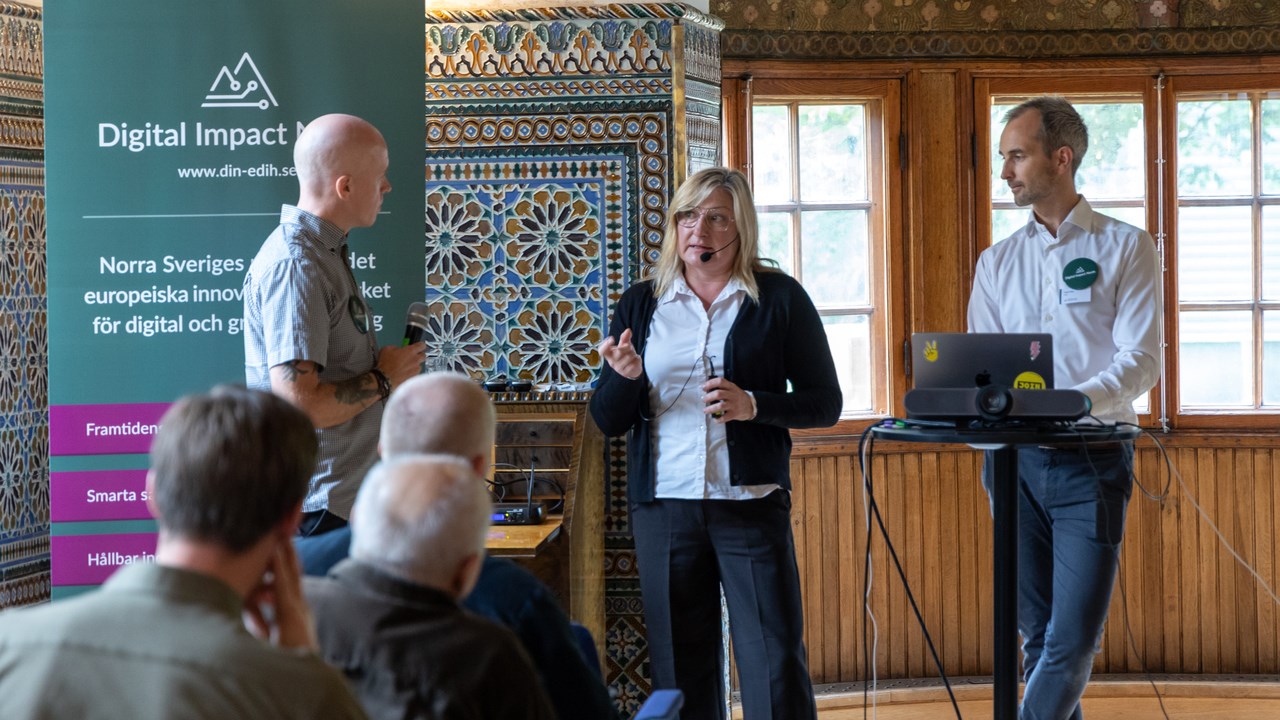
(793, 111)
(1255, 157)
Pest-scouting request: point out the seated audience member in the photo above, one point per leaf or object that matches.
(449, 413)
(389, 616)
(229, 470)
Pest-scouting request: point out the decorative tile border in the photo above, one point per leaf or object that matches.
(24, 349)
(1030, 45)
(28, 590)
(990, 15)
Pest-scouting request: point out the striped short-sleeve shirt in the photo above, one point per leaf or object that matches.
(301, 302)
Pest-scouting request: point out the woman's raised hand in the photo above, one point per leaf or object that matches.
(621, 356)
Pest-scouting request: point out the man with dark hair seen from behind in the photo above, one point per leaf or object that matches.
(449, 413)
(166, 639)
(309, 334)
(389, 616)
(1092, 282)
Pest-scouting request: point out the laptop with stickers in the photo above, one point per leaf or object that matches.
(1019, 361)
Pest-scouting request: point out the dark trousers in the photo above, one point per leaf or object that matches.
(1071, 513)
(322, 541)
(687, 550)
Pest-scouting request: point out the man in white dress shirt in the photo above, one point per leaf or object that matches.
(1093, 282)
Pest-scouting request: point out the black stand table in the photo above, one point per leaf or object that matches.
(1003, 441)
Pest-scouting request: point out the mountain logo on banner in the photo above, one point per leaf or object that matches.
(237, 88)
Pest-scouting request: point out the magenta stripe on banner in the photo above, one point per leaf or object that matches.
(98, 495)
(90, 559)
(103, 429)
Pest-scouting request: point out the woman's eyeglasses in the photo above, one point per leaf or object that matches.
(718, 219)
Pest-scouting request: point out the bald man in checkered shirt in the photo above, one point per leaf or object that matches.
(308, 330)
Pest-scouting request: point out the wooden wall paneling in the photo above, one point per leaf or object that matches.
(806, 516)
(824, 533)
(799, 506)
(971, 517)
(1143, 594)
(937, 287)
(949, 505)
(735, 112)
(813, 551)
(1125, 599)
(812, 531)
(893, 509)
(937, 529)
(1246, 610)
(1126, 596)
(908, 544)
(878, 468)
(914, 561)
(1152, 611)
(896, 210)
(1171, 603)
(1227, 518)
(849, 527)
(1146, 552)
(1187, 606)
(881, 582)
(959, 591)
(1211, 647)
(978, 589)
(1192, 619)
(890, 496)
(870, 598)
(1264, 499)
(831, 562)
(1273, 579)
(892, 603)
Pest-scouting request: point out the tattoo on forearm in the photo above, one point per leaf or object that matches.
(353, 391)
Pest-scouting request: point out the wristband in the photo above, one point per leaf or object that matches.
(384, 385)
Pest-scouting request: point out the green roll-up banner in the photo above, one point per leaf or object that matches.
(169, 131)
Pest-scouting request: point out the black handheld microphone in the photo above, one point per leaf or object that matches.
(415, 324)
(706, 256)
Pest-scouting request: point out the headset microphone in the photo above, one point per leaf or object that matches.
(706, 256)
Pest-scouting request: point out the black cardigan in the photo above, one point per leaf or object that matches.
(777, 339)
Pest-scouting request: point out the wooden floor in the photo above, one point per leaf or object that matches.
(1184, 698)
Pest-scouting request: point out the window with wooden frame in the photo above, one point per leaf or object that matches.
(817, 161)
(1195, 159)
(1224, 178)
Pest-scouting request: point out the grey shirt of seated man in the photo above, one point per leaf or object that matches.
(514, 598)
(390, 618)
(412, 651)
(172, 638)
(157, 642)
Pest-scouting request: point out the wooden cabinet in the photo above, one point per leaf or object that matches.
(549, 437)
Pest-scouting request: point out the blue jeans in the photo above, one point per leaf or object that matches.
(1071, 510)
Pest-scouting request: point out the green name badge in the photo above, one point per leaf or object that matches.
(1080, 273)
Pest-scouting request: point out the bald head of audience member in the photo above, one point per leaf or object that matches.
(440, 413)
(342, 170)
(423, 518)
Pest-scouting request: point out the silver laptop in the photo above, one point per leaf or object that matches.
(1022, 361)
